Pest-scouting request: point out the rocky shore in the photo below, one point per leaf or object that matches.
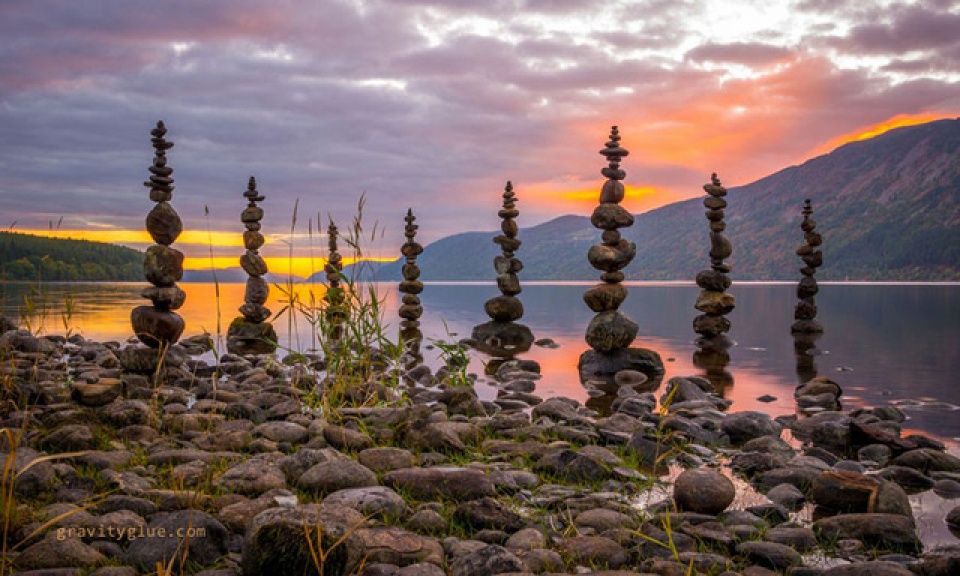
(236, 468)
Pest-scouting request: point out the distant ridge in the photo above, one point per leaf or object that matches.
(888, 207)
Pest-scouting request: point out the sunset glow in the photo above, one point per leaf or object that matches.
(898, 121)
(450, 102)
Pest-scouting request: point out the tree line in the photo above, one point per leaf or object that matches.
(24, 257)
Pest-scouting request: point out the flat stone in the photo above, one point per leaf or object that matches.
(328, 477)
(882, 530)
(715, 303)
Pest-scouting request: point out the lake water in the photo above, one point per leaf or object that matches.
(884, 343)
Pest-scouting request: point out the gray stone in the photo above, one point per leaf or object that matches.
(882, 530)
(487, 561)
(52, 552)
(328, 477)
(770, 554)
(375, 501)
(432, 483)
(703, 490)
(253, 477)
(611, 330)
(186, 527)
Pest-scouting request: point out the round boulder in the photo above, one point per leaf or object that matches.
(703, 490)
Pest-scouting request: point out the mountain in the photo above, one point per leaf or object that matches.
(888, 208)
(24, 257)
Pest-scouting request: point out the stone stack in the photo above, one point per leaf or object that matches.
(805, 314)
(158, 326)
(502, 337)
(611, 332)
(335, 313)
(251, 333)
(714, 302)
(411, 286)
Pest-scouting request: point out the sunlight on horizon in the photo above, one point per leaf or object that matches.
(867, 132)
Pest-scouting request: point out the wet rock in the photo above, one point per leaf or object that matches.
(787, 496)
(770, 554)
(883, 530)
(742, 427)
(572, 466)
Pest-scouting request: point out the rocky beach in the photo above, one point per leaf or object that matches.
(235, 467)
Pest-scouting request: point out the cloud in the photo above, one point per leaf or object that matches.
(745, 53)
(428, 104)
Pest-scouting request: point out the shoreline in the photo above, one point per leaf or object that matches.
(432, 480)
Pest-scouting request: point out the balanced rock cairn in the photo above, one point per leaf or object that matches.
(502, 336)
(251, 333)
(713, 301)
(335, 313)
(411, 310)
(158, 326)
(610, 332)
(805, 313)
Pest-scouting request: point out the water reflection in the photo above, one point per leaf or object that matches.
(886, 344)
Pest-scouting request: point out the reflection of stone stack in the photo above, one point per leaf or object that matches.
(713, 301)
(158, 326)
(251, 334)
(805, 313)
(610, 333)
(411, 310)
(335, 314)
(502, 336)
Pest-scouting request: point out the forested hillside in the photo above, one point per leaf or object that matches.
(24, 257)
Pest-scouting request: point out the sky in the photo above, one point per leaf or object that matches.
(434, 105)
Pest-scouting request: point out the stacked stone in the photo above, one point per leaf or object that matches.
(335, 312)
(805, 313)
(610, 332)
(411, 310)
(507, 307)
(157, 325)
(251, 333)
(713, 300)
(502, 336)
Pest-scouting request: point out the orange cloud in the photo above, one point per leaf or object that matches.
(863, 133)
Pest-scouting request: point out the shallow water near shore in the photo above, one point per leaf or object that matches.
(884, 343)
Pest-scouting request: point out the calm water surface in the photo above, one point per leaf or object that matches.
(884, 343)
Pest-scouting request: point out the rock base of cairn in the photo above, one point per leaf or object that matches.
(502, 339)
(246, 337)
(594, 365)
